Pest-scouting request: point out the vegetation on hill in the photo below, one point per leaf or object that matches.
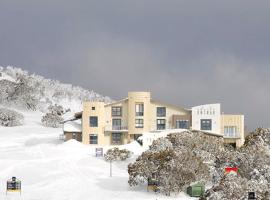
(181, 159)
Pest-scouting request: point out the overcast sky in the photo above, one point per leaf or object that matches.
(186, 52)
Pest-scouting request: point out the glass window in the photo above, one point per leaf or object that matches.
(139, 108)
(116, 124)
(116, 138)
(138, 123)
(161, 111)
(93, 121)
(93, 139)
(161, 124)
(206, 124)
(93, 108)
(183, 124)
(116, 111)
(230, 131)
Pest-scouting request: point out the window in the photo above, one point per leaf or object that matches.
(116, 111)
(183, 124)
(206, 124)
(93, 108)
(161, 124)
(93, 139)
(230, 131)
(116, 124)
(116, 138)
(74, 136)
(138, 123)
(161, 111)
(93, 121)
(139, 109)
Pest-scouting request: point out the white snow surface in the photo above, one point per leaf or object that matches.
(73, 126)
(53, 170)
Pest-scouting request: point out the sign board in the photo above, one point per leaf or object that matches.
(251, 196)
(231, 169)
(99, 152)
(13, 185)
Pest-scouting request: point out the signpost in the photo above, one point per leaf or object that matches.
(99, 152)
(14, 185)
(251, 196)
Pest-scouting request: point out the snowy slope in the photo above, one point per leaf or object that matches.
(53, 170)
(20, 89)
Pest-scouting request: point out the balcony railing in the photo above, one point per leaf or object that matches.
(116, 128)
(231, 135)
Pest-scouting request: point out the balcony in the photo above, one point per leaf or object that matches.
(231, 135)
(118, 129)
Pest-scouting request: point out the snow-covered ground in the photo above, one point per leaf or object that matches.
(52, 170)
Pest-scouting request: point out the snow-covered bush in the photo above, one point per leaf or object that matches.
(173, 169)
(56, 109)
(116, 154)
(10, 117)
(253, 161)
(51, 120)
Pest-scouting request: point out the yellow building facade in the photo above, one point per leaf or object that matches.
(123, 121)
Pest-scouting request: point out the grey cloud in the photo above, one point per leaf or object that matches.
(186, 52)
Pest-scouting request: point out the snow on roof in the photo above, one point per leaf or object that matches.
(73, 126)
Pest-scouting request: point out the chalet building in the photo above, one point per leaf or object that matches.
(123, 121)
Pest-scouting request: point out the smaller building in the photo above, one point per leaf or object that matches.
(73, 130)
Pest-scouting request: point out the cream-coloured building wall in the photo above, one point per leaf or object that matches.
(128, 129)
(170, 111)
(238, 122)
(109, 117)
(99, 112)
(133, 99)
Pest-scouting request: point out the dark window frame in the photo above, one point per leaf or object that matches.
(116, 111)
(161, 124)
(161, 111)
(139, 123)
(93, 139)
(92, 122)
(140, 111)
(206, 124)
(116, 126)
(183, 124)
(116, 138)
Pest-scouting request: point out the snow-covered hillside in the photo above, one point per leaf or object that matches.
(53, 170)
(34, 92)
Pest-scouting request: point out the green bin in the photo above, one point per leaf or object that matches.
(196, 190)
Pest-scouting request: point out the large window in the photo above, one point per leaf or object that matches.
(138, 123)
(93, 121)
(183, 124)
(139, 108)
(116, 111)
(230, 131)
(116, 124)
(93, 139)
(116, 138)
(161, 111)
(161, 124)
(206, 124)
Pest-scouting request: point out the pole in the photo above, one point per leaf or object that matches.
(110, 168)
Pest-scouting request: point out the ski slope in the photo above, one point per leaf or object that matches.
(54, 170)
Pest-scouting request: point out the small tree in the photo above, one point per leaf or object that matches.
(115, 154)
(53, 117)
(10, 117)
